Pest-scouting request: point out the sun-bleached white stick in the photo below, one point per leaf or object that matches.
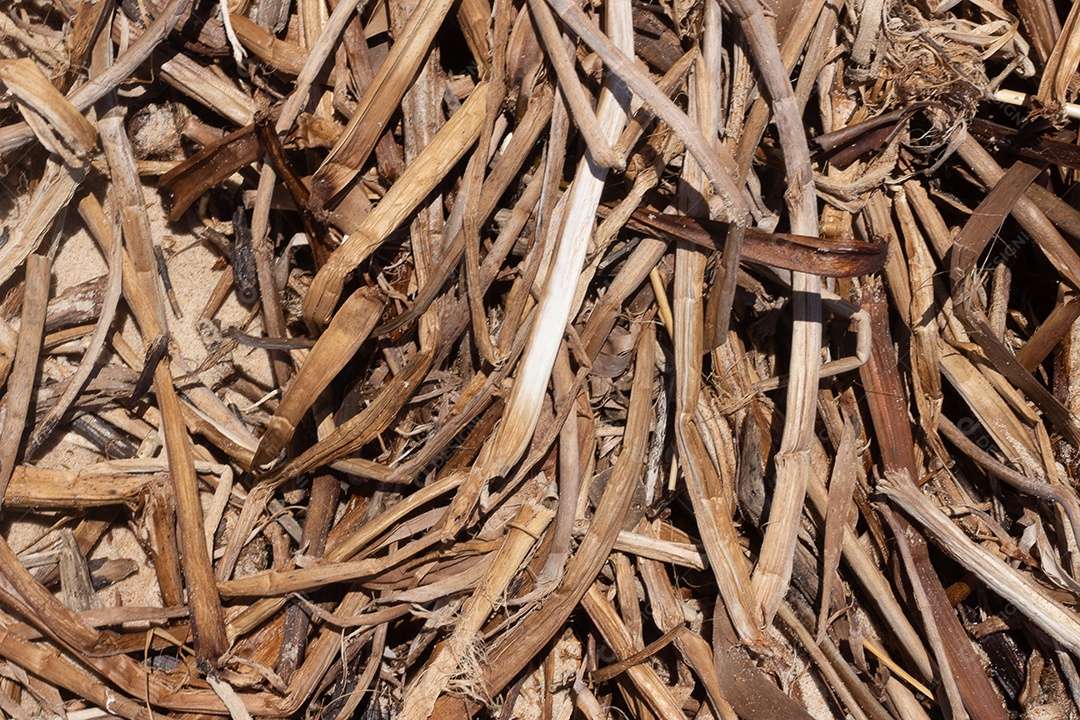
(551, 316)
(1057, 621)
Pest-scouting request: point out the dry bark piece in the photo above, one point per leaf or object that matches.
(208, 168)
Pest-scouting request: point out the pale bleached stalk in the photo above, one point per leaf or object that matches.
(712, 511)
(1053, 618)
(1019, 99)
(227, 694)
(667, 551)
(714, 160)
(773, 571)
(523, 408)
(460, 651)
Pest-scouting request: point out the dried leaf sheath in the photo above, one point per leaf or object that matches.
(452, 142)
(380, 100)
(335, 347)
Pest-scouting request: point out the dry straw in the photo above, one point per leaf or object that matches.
(529, 357)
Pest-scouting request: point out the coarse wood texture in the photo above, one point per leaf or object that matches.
(539, 359)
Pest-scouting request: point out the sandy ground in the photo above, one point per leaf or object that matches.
(194, 272)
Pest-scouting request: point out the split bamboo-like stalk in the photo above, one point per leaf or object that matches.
(523, 407)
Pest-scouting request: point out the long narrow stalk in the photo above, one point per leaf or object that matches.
(717, 164)
(713, 511)
(553, 313)
(1052, 617)
(773, 570)
(27, 351)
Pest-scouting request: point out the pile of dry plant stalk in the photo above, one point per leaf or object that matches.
(694, 359)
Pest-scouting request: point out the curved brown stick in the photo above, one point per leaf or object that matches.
(818, 256)
(803, 253)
